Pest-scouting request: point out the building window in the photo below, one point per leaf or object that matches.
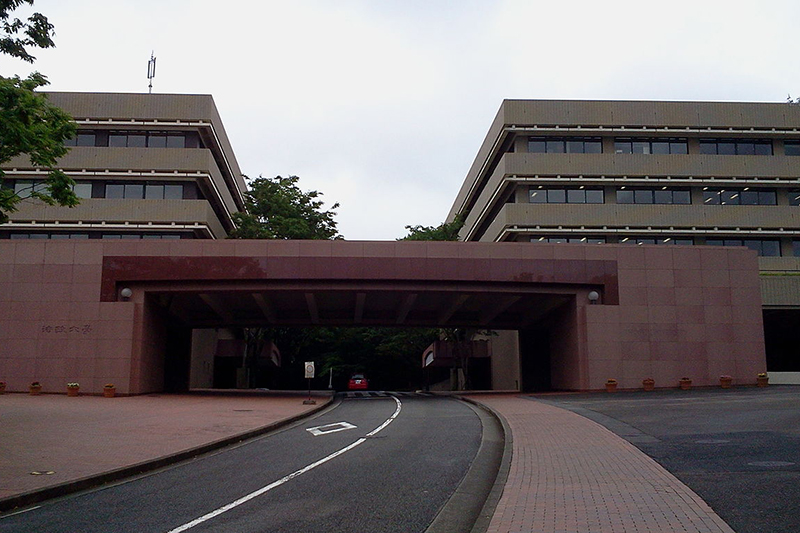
(565, 145)
(764, 247)
(82, 189)
(791, 147)
(794, 197)
(682, 241)
(82, 138)
(746, 196)
(625, 145)
(24, 188)
(796, 248)
(561, 195)
(163, 192)
(571, 240)
(736, 147)
(664, 195)
(130, 139)
(96, 235)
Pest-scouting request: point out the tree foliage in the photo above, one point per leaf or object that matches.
(29, 124)
(446, 231)
(20, 35)
(278, 209)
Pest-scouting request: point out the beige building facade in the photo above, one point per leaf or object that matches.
(146, 166)
(644, 173)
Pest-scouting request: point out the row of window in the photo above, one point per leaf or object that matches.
(661, 145)
(664, 195)
(566, 195)
(62, 235)
(135, 139)
(744, 196)
(764, 247)
(654, 196)
(739, 147)
(110, 189)
(651, 146)
(568, 145)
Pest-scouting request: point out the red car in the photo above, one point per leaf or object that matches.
(357, 382)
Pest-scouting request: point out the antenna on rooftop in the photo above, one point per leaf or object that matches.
(151, 72)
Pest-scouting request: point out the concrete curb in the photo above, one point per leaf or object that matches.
(472, 505)
(487, 512)
(70, 487)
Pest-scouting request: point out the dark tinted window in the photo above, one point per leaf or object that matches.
(663, 197)
(173, 192)
(556, 196)
(624, 197)
(791, 147)
(157, 141)
(176, 141)
(115, 190)
(681, 197)
(154, 192)
(85, 139)
(571, 145)
(537, 146)
(538, 196)
(576, 196)
(137, 141)
(594, 196)
(767, 198)
(117, 140)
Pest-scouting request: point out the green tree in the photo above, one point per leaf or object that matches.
(29, 124)
(278, 209)
(446, 231)
(18, 35)
(459, 338)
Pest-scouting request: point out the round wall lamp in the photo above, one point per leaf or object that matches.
(125, 294)
(593, 296)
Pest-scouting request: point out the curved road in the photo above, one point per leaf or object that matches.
(370, 464)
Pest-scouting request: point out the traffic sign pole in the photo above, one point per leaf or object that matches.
(309, 372)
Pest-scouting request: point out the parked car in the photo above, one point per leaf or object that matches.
(357, 382)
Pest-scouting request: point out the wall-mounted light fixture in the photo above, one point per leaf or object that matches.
(593, 296)
(125, 294)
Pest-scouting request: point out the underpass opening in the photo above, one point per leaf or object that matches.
(214, 319)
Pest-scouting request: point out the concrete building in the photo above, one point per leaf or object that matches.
(118, 303)
(652, 174)
(146, 166)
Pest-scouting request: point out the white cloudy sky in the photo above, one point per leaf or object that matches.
(382, 105)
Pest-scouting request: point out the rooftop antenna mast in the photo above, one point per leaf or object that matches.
(151, 72)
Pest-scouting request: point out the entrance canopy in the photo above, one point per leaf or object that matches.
(339, 283)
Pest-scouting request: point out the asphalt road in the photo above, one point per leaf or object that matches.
(739, 449)
(375, 464)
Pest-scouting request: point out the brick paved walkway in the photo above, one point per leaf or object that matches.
(569, 474)
(75, 438)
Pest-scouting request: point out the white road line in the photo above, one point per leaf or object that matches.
(330, 428)
(291, 476)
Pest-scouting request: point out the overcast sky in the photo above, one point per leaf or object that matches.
(382, 105)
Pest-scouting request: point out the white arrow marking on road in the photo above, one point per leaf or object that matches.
(330, 428)
(259, 492)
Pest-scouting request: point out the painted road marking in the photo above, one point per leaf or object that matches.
(330, 428)
(291, 476)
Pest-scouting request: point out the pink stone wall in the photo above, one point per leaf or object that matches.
(53, 327)
(683, 311)
(666, 312)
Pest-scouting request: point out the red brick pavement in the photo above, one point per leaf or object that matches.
(569, 474)
(76, 438)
